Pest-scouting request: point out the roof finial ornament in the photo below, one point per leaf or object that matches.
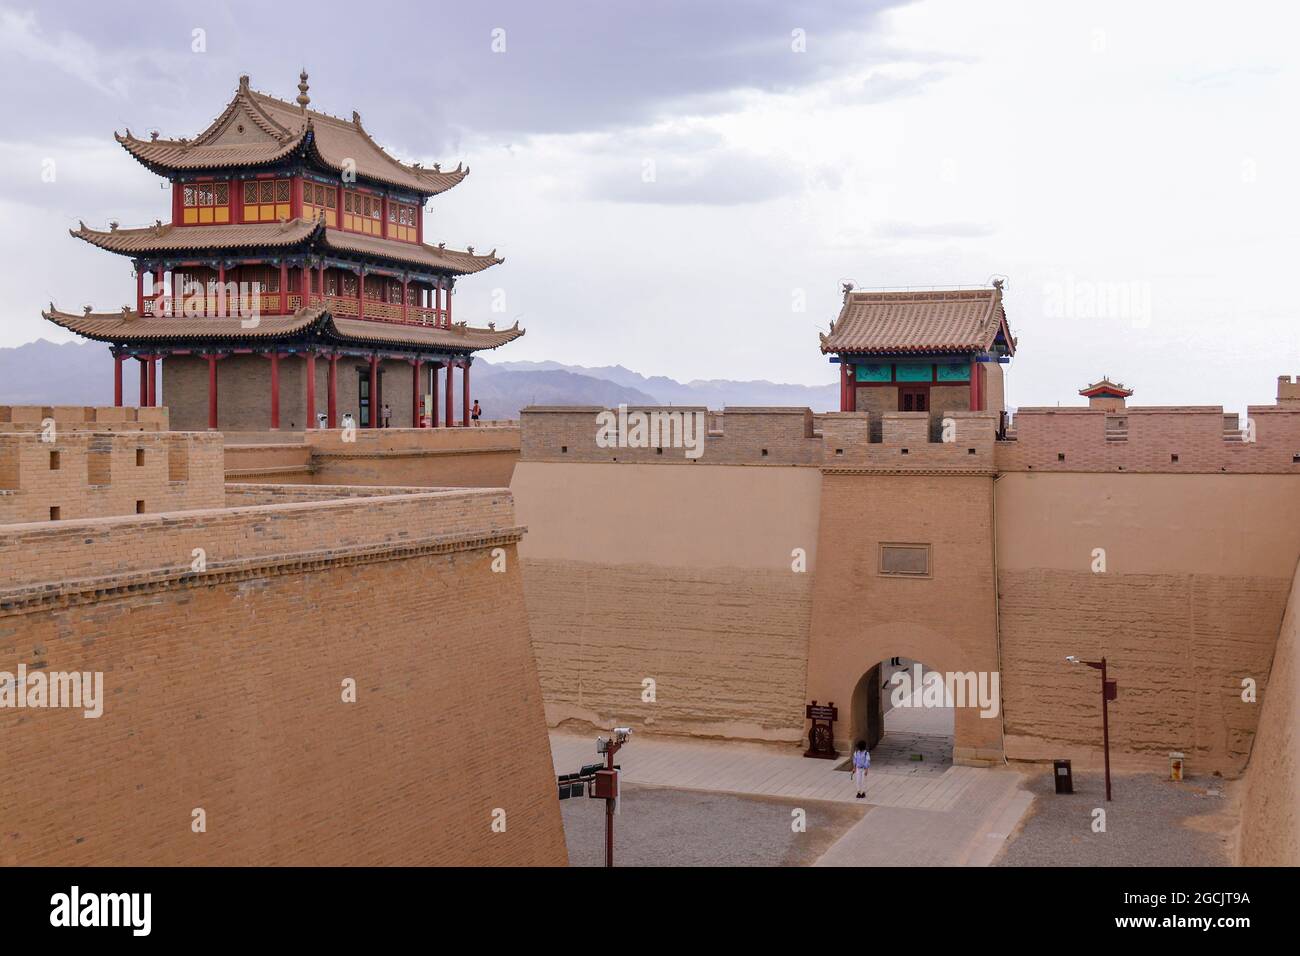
(997, 284)
(243, 83)
(303, 98)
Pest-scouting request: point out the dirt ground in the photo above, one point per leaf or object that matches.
(1151, 821)
(660, 827)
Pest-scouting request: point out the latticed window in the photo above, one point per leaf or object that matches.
(362, 212)
(320, 201)
(266, 200)
(401, 221)
(205, 203)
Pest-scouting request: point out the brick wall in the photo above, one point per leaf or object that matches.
(482, 457)
(1189, 603)
(683, 576)
(90, 474)
(1270, 798)
(223, 689)
(1176, 440)
(27, 418)
(759, 435)
(244, 390)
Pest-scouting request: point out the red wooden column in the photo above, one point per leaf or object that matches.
(415, 393)
(223, 303)
(436, 294)
(310, 372)
(450, 396)
(153, 381)
(464, 398)
(404, 283)
(975, 396)
(139, 291)
(284, 287)
(212, 393)
(320, 282)
(433, 381)
(448, 303)
(361, 295)
(332, 396)
(117, 380)
(374, 390)
(275, 391)
(143, 400)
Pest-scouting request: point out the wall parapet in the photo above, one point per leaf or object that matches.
(952, 442)
(1154, 439)
(102, 418)
(665, 434)
(89, 474)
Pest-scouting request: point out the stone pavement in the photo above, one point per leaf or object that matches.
(958, 817)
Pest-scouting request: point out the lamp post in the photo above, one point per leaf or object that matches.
(1109, 691)
(607, 784)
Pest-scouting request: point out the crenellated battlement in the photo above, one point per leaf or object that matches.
(110, 418)
(1153, 439)
(1288, 390)
(85, 474)
(663, 434)
(955, 442)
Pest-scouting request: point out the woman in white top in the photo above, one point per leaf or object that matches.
(861, 761)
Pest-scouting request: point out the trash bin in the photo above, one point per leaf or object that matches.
(1064, 778)
(1175, 766)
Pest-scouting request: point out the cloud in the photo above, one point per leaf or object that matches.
(934, 230)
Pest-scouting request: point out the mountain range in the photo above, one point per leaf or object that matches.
(80, 373)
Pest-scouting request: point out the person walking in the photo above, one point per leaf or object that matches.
(861, 762)
(475, 412)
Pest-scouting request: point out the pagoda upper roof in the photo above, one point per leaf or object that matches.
(913, 322)
(1106, 388)
(127, 327)
(256, 130)
(168, 238)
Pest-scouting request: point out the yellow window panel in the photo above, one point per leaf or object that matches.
(205, 214)
(191, 216)
(329, 218)
(282, 211)
(223, 214)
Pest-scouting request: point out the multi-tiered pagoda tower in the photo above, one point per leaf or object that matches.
(291, 267)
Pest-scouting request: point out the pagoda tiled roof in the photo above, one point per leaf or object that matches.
(1106, 387)
(911, 322)
(433, 257)
(127, 326)
(164, 238)
(257, 130)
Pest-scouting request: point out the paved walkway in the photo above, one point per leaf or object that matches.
(958, 817)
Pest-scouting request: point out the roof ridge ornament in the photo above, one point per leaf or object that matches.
(243, 83)
(303, 98)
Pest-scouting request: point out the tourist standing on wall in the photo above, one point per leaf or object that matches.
(861, 761)
(475, 412)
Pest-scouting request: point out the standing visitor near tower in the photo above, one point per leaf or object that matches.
(475, 412)
(861, 761)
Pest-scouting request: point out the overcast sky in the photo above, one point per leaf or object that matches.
(681, 186)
